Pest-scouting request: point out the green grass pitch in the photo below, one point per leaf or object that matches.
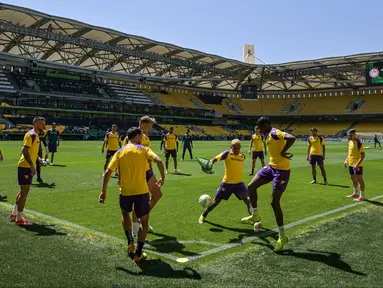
(73, 197)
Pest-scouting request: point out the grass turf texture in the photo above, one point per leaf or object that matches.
(78, 175)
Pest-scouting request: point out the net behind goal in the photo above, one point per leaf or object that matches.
(369, 136)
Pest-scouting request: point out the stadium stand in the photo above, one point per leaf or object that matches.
(128, 93)
(369, 127)
(324, 128)
(374, 104)
(5, 84)
(176, 99)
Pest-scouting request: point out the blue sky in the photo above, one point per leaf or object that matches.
(282, 30)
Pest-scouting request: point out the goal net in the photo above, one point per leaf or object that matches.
(369, 136)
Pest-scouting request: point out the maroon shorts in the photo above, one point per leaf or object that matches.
(352, 171)
(172, 153)
(316, 159)
(140, 203)
(110, 153)
(24, 176)
(280, 178)
(225, 190)
(258, 154)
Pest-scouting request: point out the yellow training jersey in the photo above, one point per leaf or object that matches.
(275, 143)
(125, 141)
(355, 147)
(145, 141)
(317, 144)
(113, 140)
(31, 140)
(170, 141)
(132, 161)
(233, 166)
(257, 142)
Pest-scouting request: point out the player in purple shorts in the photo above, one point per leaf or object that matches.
(316, 151)
(278, 171)
(232, 180)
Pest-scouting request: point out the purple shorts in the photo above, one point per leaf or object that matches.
(225, 190)
(139, 202)
(173, 153)
(149, 174)
(316, 159)
(280, 178)
(24, 176)
(352, 171)
(258, 154)
(52, 148)
(109, 153)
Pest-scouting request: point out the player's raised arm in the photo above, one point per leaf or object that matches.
(290, 139)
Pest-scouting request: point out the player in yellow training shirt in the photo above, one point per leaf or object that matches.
(278, 171)
(316, 152)
(257, 146)
(27, 169)
(232, 182)
(146, 124)
(113, 142)
(131, 161)
(354, 162)
(171, 149)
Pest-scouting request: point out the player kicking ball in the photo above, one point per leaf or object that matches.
(232, 182)
(278, 171)
(132, 161)
(316, 151)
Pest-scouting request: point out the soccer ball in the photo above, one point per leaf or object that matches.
(205, 201)
(47, 161)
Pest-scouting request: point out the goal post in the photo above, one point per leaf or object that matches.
(369, 136)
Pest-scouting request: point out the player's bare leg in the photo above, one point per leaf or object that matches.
(362, 186)
(354, 187)
(175, 164)
(142, 233)
(253, 195)
(20, 202)
(53, 157)
(247, 202)
(214, 204)
(14, 210)
(136, 223)
(323, 172)
(167, 163)
(127, 225)
(263, 162)
(314, 173)
(252, 167)
(155, 191)
(276, 204)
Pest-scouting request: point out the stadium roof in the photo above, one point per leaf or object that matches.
(41, 36)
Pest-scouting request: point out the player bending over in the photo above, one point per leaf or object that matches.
(171, 143)
(354, 161)
(258, 146)
(316, 152)
(26, 168)
(132, 161)
(112, 141)
(232, 182)
(278, 171)
(53, 136)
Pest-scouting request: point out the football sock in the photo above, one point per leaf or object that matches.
(204, 214)
(255, 211)
(315, 178)
(19, 215)
(281, 231)
(129, 236)
(14, 211)
(361, 193)
(355, 190)
(140, 245)
(252, 171)
(325, 179)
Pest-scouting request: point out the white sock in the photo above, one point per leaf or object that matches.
(255, 211)
(19, 215)
(136, 227)
(281, 231)
(356, 190)
(14, 211)
(361, 193)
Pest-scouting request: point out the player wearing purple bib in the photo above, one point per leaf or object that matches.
(278, 171)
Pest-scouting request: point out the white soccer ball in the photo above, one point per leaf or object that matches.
(205, 201)
(47, 161)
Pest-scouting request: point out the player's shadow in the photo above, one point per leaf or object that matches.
(374, 202)
(169, 244)
(335, 185)
(45, 185)
(181, 174)
(160, 269)
(3, 198)
(329, 258)
(43, 230)
(58, 165)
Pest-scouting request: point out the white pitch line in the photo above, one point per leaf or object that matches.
(113, 238)
(270, 232)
